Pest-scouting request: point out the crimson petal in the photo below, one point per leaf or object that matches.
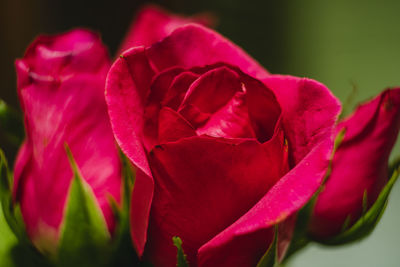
(195, 180)
(194, 45)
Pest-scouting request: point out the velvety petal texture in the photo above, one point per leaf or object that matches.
(61, 89)
(152, 24)
(294, 189)
(212, 133)
(309, 112)
(196, 46)
(360, 163)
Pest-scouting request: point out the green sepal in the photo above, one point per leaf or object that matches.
(84, 237)
(366, 224)
(11, 124)
(270, 257)
(300, 235)
(11, 211)
(180, 255)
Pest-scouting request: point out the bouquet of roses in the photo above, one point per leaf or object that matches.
(185, 151)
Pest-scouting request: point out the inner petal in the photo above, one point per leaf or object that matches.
(176, 92)
(158, 89)
(263, 108)
(208, 94)
(231, 121)
(172, 126)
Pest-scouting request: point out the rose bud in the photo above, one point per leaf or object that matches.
(360, 164)
(224, 150)
(152, 23)
(61, 89)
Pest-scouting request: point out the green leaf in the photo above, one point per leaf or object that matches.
(366, 224)
(7, 241)
(85, 240)
(270, 258)
(11, 124)
(180, 255)
(12, 213)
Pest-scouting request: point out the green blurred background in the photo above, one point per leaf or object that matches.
(344, 44)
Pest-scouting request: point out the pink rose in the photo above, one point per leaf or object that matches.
(152, 23)
(360, 164)
(61, 89)
(224, 150)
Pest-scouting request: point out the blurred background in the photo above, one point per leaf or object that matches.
(343, 44)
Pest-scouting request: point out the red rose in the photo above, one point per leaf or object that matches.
(360, 164)
(152, 23)
(61, 88)
(224, 150)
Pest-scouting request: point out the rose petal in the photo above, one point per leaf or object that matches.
(127, 87)
(73, 51)
(152, 23)
(172, 126)
(193, 45)
(183, 206)
(158, 88)
(281, 201)
(209, 93)
(231, 121)
(360, 163)
(178, 88)
(264, 110)
(62, 95)
(142, 196)
(308, 110)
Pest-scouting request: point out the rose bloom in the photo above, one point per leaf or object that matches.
(61, 89)
(224, 150)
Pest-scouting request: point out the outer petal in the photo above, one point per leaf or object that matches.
(127, 87)
(62, 94)
(251, 234)
(153, 23)
(193, 45)
(195, 180)
(360, 163)
(309, 110)
(310, 144)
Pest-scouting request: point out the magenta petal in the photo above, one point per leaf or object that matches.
(177, 91)
(263, 108)
(127, 87)
(209, 93)
(172, 126)
(158, 89)
(142, 196)
(62, 96)
(360, 163)
(278, 204)
(152, 24)
(193, 45)
(198, 193)
(231, 121)
(308, 109)
(73, 51)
